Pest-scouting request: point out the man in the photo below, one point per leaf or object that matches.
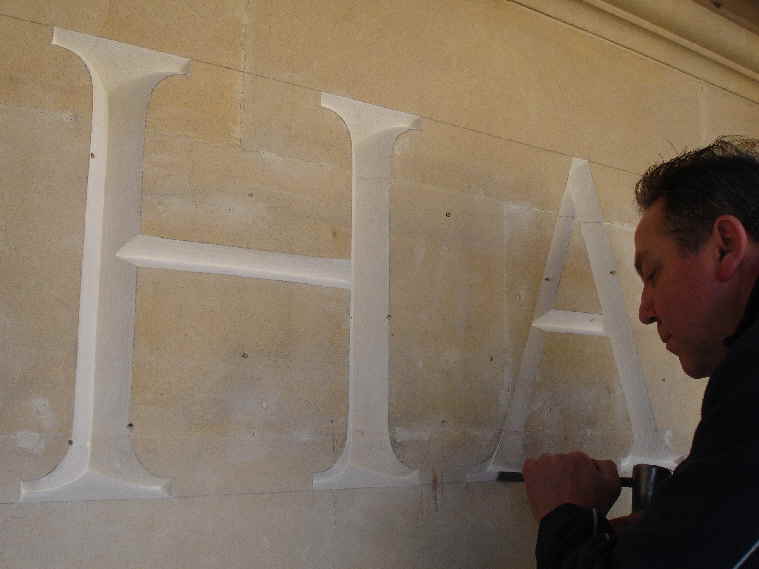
(697, 252)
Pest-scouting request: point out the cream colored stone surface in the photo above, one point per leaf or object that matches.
(34, 536)
(204, 106)
(288, 121)
(35, 74)
(481, 165)
(455, 525)
(447, 340)
(495, 68)
(30, 453)
(257, 460)
(578, 403)
(204, 30)
(42, 185)
(725, 113)
(218, 193)
(577, 290)
(239, 384)
(616, 197)
(652, 45)
(451, 526)
(86, 16)
(699, 25)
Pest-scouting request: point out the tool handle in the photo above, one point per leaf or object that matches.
(505, 476)
(509, 476)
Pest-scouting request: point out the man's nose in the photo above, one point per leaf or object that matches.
(646, 311)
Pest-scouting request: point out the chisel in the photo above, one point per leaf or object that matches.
(645, 482)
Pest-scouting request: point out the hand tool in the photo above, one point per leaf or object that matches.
(645, 481)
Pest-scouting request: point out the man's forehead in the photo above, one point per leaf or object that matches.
(649, 229)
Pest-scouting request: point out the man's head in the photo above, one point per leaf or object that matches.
(697, 248)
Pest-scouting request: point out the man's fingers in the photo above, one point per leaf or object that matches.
(608, 469)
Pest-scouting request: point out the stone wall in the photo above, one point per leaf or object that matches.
(240, 386)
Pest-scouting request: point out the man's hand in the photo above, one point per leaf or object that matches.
(575, 478)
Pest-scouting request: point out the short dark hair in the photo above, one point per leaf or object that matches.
(700, 185)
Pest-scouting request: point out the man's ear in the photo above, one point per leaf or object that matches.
(731, 241)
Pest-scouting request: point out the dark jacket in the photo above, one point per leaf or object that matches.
(707, 514)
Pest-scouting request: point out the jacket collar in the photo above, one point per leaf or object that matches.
(750, 316)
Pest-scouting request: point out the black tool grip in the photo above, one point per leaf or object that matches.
(509, 476)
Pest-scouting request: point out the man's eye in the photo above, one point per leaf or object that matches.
(651, 276)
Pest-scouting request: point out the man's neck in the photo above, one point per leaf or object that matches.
(748, 295)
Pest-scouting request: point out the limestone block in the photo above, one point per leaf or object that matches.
(528, 233)
(204, 106)
(504, 70)
(577, 291)
(478, 164)
(725, 113)
(38, 383)
(616, 197)
(218, 193)
(288, 121)
(42, 185)
(448, 330)
(578, 403)
(260, 459)
(80, 15)
(279, 531)
(35, 74)
(30, 452)
(208, 31)
(166, 166)
(36, 10)
(35, 536)
(627, 25)
(445, 526)
(238, 364)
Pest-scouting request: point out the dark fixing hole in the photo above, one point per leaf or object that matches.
(244, 355)
(448, 214)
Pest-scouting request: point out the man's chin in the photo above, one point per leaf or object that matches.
(696, 370)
